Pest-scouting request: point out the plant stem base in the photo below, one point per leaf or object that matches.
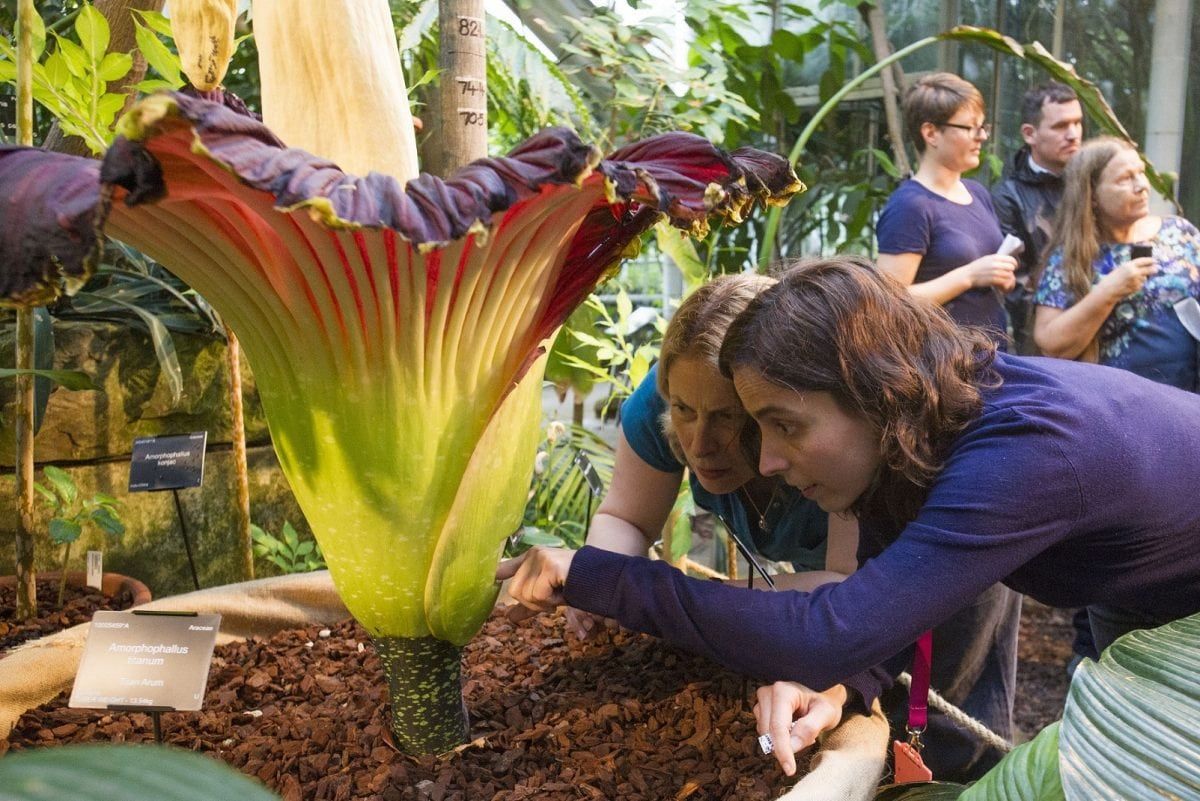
(425, 679)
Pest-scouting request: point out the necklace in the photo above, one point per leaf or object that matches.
(762, 513)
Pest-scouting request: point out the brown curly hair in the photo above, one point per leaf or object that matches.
(840, 326)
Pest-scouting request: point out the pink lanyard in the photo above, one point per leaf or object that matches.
(918, 691)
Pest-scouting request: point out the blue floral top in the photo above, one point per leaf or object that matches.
(1143, 333)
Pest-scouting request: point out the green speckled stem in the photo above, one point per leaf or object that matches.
(425, 678)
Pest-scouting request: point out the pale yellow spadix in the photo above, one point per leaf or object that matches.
(332, 83)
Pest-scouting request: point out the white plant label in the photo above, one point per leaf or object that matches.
(95, 568)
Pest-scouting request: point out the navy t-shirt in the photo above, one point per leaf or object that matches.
(947, 235)
(1076, 486)
(796, 527)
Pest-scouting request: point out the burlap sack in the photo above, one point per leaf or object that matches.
(852, 758)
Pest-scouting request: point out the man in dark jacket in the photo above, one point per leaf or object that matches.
(1027, 197)
(1026, 200)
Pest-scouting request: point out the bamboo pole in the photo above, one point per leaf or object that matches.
(26, 577)
(241, 472)
(876, 21)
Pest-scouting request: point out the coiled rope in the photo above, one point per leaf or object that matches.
(961, 718)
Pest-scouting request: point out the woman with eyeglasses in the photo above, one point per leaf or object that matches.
(939, 233)
(1115, 272)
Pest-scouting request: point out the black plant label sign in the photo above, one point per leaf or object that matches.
(589, 473)
(163, 463)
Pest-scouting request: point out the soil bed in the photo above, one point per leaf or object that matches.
(622, 716)
(79, 604)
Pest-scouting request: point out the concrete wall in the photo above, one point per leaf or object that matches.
(90, 433)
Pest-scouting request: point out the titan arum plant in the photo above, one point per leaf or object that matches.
(397, 324)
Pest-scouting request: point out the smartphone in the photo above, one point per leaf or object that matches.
(1140, 251)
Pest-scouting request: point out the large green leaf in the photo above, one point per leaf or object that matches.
(1029, 772)
(920, 791)
(122, 771)
(1130, 728)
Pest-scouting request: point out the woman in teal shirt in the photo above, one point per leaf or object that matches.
(704, 426)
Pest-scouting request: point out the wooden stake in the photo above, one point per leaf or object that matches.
(26, 578)
(241, 472)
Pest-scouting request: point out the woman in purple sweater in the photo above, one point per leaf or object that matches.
(1072, 483)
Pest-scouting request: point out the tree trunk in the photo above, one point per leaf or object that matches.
(119, 14)
(241, 473)
(463, 87)
(26, 578)
(891, 79)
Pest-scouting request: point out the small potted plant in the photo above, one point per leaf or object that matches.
(71, 513)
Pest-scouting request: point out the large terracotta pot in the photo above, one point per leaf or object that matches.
(110, 583)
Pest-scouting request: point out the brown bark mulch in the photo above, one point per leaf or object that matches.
(621, 716)
(1042, 655)
(79, 604)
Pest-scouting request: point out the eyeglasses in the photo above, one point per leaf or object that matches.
(973, 130)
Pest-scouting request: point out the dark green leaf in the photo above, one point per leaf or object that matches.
(164, 349)
(64, 531)
(920, 791)
(123, 771)
(69, 379)
(43, 359)
(62, 483)
(788, 45)
(107, 521)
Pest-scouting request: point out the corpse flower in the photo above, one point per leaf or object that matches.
(397, 332)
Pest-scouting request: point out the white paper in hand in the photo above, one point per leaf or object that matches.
(1189, 314)
(1011, 246)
